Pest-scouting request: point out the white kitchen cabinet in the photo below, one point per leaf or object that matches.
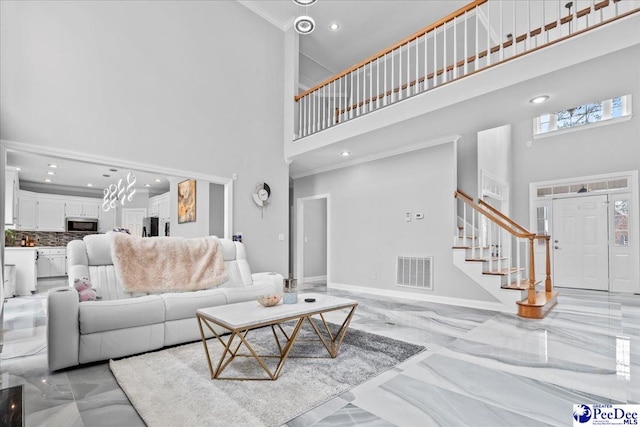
(82, 209)
(25, 261)
(52, 262)
(50, 215)
(11, 196)
(27, 211)
(163, 208)
(159, 206)
(154, 207)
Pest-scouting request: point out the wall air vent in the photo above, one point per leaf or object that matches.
(415, 272)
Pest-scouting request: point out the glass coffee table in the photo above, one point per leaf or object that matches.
(240, 318)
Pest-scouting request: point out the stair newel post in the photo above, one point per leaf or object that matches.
(531, 297)
(547, 283)
(490, 224)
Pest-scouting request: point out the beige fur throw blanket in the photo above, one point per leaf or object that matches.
(160, 264)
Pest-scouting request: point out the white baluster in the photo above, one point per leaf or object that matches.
(454, 71)
(339, 114)
(351, 97)
(384, 98)
(488, 35)
(501, 35)
(519, 276)
(474, 241)
(393, 81)
(499, 248)
(400, 73)
(332, 120)
(300, 118)
(314, 120)
(415, 88)
(425, 85)
(466, 45)
(371, 85)
(509, 255)
(514, 35)
(527, 40)
(477, 38)
(409, 69)
(444, 53)
(490, 245)
(377, 83)
(435, 58)
(464, 223)
(358, 111)
(323, 113)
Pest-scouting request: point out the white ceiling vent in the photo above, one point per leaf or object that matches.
(415, 272)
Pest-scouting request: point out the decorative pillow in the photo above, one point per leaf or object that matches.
(84, 288)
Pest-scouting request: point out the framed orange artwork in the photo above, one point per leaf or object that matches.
(187, 201)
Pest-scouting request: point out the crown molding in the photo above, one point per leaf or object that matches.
(261, 13)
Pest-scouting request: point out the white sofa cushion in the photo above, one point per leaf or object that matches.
(98, 249)
(184, 305)
(100, 316)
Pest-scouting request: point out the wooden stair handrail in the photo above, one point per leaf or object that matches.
(402, 42)
(503, 216)
(495, 219)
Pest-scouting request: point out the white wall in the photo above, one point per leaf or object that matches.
(494, 152)
(315, 237)
(367, 219)
(194, 86)
(599, 150)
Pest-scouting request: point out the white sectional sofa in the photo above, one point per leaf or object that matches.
(120, 323)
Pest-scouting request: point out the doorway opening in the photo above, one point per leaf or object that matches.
(312, 240)
(593, 223)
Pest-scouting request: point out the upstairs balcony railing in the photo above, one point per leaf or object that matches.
(479, 35)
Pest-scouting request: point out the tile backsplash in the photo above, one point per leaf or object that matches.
(47, 238)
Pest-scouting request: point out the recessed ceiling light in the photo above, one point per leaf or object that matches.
(345, 153)
(47, 180)
(106, 175)
(89, 185)
(50, 173)
(147, 185)
(158, 180)
(18, 169)
(539, 99)
(304, 24)
(334, 26)
(304, 2)
(53, 165)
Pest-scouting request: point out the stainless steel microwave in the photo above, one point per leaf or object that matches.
(82, 224)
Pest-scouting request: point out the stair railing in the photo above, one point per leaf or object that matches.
(500, 229)
(477, 36)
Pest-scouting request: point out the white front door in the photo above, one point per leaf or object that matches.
(580, 242)
(132, 219)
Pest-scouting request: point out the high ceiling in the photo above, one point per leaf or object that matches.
(365, 27)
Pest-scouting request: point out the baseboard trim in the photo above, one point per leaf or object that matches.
(483, 305)
(315, 279)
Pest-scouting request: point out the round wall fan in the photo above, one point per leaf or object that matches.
(261, 194)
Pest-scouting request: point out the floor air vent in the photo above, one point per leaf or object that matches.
(415, 272)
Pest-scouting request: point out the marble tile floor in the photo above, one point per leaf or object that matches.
(481, 368)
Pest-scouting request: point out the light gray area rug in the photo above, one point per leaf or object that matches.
(173, 386)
